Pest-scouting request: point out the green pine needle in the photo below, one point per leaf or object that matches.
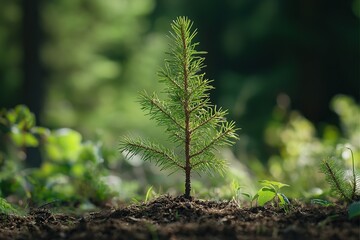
(151, 152)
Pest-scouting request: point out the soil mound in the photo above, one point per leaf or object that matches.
(169, 217)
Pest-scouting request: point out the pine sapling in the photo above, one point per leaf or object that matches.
(195, 127)
(345, 186)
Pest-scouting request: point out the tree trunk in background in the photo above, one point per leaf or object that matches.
(32, 92)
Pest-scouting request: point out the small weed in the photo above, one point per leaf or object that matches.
(270, 193)
(150, 194)
(134, 200)
(238, 193)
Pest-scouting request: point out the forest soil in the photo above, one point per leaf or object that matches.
(173, 218)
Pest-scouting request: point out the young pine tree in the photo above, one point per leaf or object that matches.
(344, 185)
(195, 126)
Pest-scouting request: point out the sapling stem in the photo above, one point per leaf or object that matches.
(187, 115)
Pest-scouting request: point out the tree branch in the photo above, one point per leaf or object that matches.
(167, 76)
(141, 147)
(216, 114)
(213, 142)
(162, 109)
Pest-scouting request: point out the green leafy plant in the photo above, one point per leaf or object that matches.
(346, 186)
(17, 133)
(195, 126)
(6, 207)
(270, 192)
(239, 194)
(298, 146)
(68, 165)
(18, 124)
(150, 194)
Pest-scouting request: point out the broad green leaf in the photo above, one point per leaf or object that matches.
(255, 197)
(268, 183)
(47, 168)
(31, 140)
(41, 131)
(248, 195)
(90, 152)
(78, 169)
(64, 145)
(11, 117)
(60, 184)
(21, 116)
(265, 195)
(354, 210)
(22, 139)
(321, 202)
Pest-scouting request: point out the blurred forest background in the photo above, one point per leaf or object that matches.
(288, 71)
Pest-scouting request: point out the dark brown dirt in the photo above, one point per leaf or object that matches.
(177, 218)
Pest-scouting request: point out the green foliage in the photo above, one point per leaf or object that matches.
(349, 112)
(345, 183)
(117, 58)
(196, 127)
(345, 186)
(17, 131)
(71, 169)
(19, 125)
(234, 185)
(6, 208)
(298, 146)
(238, 193)
(270, 192)
(150, 194)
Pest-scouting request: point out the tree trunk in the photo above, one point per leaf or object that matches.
(187, 184)
(187, 118)
(32, 92)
